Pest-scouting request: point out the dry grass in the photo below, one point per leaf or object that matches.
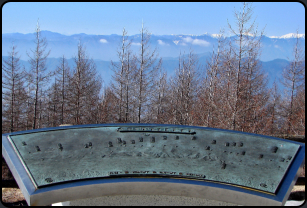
(10, 195)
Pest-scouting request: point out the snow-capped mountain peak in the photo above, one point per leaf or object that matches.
(290, 35)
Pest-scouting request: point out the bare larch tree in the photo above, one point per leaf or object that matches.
(84, 89)
(38, 71)
(13, 92)
(184, 90)
(122, 84)
(145, 74)
(294, 82)
(248, 82)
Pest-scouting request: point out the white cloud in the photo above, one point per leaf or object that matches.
(249, 34)
(196, 41)
(188, 39)
(200, 42)
(160, 42)
(103, 41)
(133, 43)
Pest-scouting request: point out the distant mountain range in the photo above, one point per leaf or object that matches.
(273, 68)
(276, 51)
(104, 47)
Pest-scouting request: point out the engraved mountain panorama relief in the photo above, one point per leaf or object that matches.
(159, 151)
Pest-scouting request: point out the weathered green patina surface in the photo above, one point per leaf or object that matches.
(70, 154)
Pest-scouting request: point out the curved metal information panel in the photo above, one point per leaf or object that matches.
(68, 154)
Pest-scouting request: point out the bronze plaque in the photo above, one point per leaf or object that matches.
(222, 156)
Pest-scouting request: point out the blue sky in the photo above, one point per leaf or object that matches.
(160, 18)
